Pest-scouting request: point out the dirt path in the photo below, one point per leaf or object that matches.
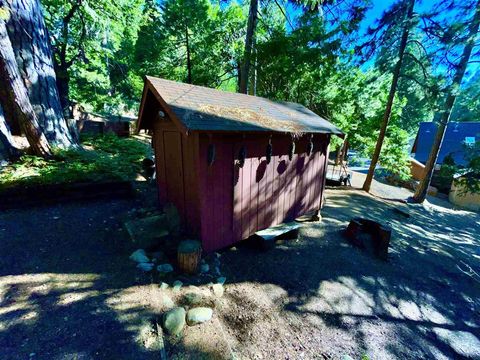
(68, 291)
(321, 298)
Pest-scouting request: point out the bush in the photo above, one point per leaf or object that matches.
(102, 158)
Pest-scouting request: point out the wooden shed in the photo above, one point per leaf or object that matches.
(233, 164)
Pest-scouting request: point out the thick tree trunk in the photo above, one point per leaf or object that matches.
(391, 96)
(8, 150)
(421, 192)
(16, 97)
(251, 27)
(31, 46)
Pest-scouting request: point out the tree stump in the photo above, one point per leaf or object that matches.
(189, 254)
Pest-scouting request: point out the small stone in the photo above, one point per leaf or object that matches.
(177, 285)
(204, 268)
(139, 256)
(145, 266)
(218, 290)
(199, 315)
(193, 298)
(174, 320)
(165, 268)
(221, 280)
(217, 255)
(163, 285)
(167, 301)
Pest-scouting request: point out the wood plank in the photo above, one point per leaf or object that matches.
(228, 236)
(192, 209)
(174, 170)
(246, 189)
(237, 195)
(160, 166)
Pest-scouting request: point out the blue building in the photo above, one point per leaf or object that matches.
(457, 135)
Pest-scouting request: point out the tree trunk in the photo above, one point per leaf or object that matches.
(63, 86)
(8, 151)
(421, 192)
(391, 96)
(251, 26)
(31, 46)
(17, 97)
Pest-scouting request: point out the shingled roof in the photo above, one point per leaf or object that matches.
(198, 108)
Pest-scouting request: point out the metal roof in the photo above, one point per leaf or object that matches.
(200, 108)
(453, 141)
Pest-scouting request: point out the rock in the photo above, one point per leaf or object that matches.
(204, 268)
(167, 301)
(199, 315)
(193, 299)
(145, 266)
(139, 256)
(177, 285)
(163, 285)
(218, 290)
(198, 299)
(174, 321)
(165, 268)
(148, 232)
(221, 280)
(217, 255)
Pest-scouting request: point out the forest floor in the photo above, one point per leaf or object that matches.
(69, 291)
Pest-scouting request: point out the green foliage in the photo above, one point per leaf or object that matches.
(103, 158)
(301, 56)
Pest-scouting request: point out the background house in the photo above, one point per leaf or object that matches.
(456, 136)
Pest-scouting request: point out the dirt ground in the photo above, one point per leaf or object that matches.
(68, 290)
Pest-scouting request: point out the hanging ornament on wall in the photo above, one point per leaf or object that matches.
(211, 154)
(310, 146)
(269, 150)
(291, 151)
(242, 154)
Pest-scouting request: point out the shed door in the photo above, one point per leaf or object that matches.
(174, 170)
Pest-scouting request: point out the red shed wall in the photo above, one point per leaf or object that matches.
(175, 161)
(236, 202)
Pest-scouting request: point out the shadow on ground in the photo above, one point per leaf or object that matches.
(337, 300)
(67, 289)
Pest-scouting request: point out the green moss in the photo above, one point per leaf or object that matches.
(102, 158)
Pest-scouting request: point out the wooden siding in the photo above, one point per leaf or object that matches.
(236, 202)
(177, 180)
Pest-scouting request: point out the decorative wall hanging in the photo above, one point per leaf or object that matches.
(269, 150)
(291, 151)
(242, 154)
(310, 146)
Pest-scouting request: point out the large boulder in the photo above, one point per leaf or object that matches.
(174, 321)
